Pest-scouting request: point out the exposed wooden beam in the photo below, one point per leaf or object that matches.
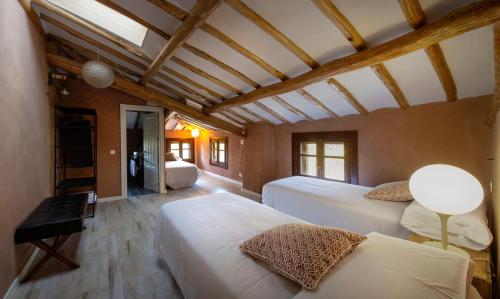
(175, 11)
(495, 105)
(194, 50)
(197, 15)
(192, 82)
(347, 95)
(310, 98)
(147, 94)
(353, 36)
(230, 117)
(239, 115)
(26, 5)
(270, 111)
(267, 27)
(205, 75)
(258, 117)
(199, 97)
(465, 19)
(292, 108)
(416, 18)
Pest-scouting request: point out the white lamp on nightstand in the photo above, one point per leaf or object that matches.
(446, 190)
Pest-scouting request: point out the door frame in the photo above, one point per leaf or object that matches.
(123, 140)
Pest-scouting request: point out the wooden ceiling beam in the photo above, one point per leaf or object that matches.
(200, 11)
(416, 18)
(353, 36)
(258, 117)
(267, 27)
(347, 95)
(26, 5)
(192, 82)
(310, 98)
(230, 117)
(192, 49)
(470, 17)
(270, 111)
(147, 94)
(239, 115)
(291, 108)
(197, 97)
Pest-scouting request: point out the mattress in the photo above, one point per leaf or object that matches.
(198, 239)
(335, 204)
(180, 174)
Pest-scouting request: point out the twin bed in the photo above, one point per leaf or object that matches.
(198, 239)
(180, 174)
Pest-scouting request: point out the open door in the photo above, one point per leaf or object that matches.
(151, 154)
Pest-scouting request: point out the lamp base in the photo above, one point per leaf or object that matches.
(449, 248)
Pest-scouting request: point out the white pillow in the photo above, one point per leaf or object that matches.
(468, 230)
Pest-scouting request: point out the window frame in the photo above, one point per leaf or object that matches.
(350, 140)
(218, 140)
(191, 141)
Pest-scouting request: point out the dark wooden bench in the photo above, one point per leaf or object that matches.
(54, 218)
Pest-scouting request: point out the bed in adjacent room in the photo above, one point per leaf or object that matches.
(180, 174)
(335, 204)
(199, 239)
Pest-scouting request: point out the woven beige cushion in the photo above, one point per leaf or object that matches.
(395, 191)
(170, 157)
(304, 253)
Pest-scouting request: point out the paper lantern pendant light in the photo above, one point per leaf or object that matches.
(98, 74)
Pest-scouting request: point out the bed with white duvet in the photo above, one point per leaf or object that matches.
(180, 174)
(335, 204)
(199, 240)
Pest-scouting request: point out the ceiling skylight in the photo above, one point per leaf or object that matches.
(105, 17)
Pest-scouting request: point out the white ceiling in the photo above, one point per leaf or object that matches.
(469, 56)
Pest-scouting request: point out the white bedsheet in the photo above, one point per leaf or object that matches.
(180, 174)
(335, 204)
(198, 238)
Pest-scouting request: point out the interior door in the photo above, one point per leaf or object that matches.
(151, 155)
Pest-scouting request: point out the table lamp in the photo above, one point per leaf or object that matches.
(446, 190)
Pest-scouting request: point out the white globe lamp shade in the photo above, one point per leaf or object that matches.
(195, 133)
(98, 74)
(446, 189)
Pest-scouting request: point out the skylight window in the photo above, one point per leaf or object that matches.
(105, 17)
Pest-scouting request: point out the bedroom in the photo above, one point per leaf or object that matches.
(277, 117)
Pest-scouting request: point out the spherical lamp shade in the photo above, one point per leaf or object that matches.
(98, 74)
(446, 189)
(195, 133)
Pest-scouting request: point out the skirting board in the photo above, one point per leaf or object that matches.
(222, 177)
(251, 193)
(112, 198)
(23, 272)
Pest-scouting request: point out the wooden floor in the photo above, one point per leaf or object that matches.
(116, 251)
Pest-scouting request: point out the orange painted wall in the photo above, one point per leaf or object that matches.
(26, 130)
(392, 144)
(203, 151)
(107, 104)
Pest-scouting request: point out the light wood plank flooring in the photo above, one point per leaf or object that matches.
(115, 252)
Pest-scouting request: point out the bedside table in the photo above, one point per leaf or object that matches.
(482, 266)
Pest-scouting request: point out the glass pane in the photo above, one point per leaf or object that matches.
(222, 146)
(334, 169)
(308, 165)
(174, 146)
(214, 156)
(175, 152)
(186, 145)
(222, 156)
(308, 148)
(334, 149)
(186, 154)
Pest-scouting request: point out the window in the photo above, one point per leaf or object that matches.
(219, 152)
(105, 17)
(326, 155)
(183, 148)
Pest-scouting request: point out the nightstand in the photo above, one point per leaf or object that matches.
(482, 266)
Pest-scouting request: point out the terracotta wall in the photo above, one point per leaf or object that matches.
(391, 143)
(25, 128)
(107, 104)
(203, 151)
(496, 191)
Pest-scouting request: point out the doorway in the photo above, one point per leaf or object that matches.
(142, 142)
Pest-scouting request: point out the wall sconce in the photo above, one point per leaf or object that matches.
(195, 133)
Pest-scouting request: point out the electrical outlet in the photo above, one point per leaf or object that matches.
(240, 174)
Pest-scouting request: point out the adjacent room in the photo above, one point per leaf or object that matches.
(213, 149)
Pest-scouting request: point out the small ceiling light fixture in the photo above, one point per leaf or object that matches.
(195, 133)
(97, 73)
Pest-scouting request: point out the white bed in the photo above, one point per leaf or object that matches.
(335, 204)
(198, 239)
(180, 174)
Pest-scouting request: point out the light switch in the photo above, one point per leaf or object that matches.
(242, 141)
(112, 152)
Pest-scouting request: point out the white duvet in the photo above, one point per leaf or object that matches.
(198, 238)
(335, 204)
(180, 174)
